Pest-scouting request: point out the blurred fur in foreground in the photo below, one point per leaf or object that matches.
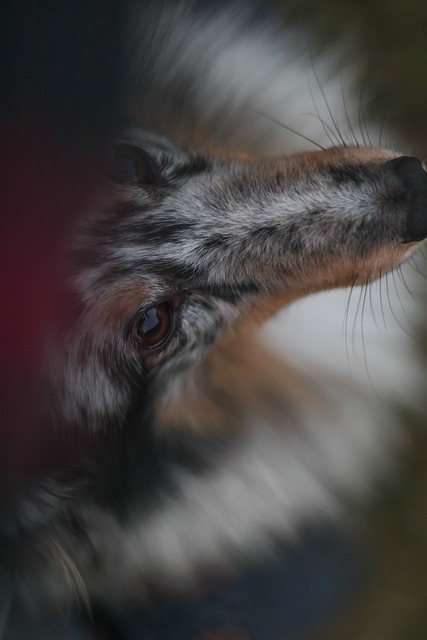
(200, 448)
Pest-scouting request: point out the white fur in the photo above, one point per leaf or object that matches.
(271, 485)
(273, 481)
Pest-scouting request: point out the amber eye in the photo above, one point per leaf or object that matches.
(155, 325)
(131, 165)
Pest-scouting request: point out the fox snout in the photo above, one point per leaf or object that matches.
(222, 226)
(414, 179)
(301, 223)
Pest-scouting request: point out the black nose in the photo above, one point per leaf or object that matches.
(410, 171)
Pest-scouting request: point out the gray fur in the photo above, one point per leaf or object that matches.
(223, 235)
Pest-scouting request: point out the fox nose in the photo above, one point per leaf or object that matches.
(413, 175)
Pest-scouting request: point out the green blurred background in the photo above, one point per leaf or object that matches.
(388, 38)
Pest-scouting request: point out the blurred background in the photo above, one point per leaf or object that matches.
(388, 39)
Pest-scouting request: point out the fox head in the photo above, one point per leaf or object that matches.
(191, 249)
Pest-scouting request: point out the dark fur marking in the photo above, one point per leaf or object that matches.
(217, 241)
(173, 271)
(136, 466)
(265, 233)
(355, 174)
(194, 167)
(156, 232)
(232, 293)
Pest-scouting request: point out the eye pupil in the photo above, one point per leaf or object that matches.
(155, 325)
(125, 170)
(151, 321)
(131, 165)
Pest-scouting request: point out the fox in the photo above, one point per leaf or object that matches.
(199, 445)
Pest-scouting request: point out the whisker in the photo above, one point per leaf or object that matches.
(360, 119)
(393, 313)
(399, 299)
(346, 142)
(347, 117)
(364, 352)
(363, 121)
(329, 132)
(403, 281)
(353, 332)
(344, 331)
(413, 264)
(339, 136)
(366, 128)
(380, 281)
(371, 303)
(282, 125)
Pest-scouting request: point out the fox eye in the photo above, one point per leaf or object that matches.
(131, 165)
(155, 325)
